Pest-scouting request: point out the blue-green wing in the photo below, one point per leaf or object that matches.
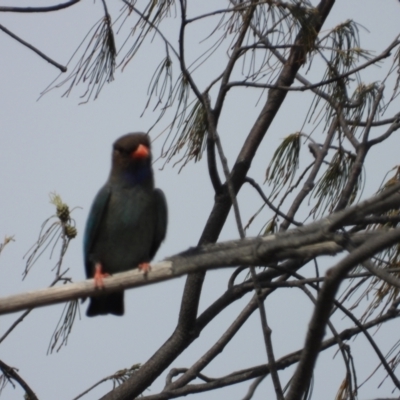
(161, 221)
(93, 223)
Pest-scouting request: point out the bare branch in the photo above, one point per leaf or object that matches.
(39, 9)
(11, 373)
(304, 244)
(269, 204)
(38, 52)
(263, 370)
(324, 306)
(393, 128)
(217, 348)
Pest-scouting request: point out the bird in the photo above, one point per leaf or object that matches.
(127, 221)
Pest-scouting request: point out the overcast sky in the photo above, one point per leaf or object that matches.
(55, 144)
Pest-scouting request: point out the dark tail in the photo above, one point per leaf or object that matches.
(112, 303)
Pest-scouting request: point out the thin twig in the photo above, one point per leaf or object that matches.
(15, 323)
(308, 86)
(38, 52)
(39, 9)
(393, 128)
(253, 387)
(269, 203)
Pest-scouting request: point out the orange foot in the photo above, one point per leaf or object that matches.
(145, 267)
(98, 276)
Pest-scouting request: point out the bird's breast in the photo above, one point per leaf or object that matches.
(127, 231)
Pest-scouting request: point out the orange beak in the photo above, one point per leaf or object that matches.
(141, 152)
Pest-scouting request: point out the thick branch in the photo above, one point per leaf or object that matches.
(306, 242)
(252, 252)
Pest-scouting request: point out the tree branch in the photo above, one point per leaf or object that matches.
(301, 378)
(39, 9)
(11, 373)
(38, 52)
(306, 242)
(253, 252)
(263, 370)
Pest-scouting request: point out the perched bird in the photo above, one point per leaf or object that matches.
(127, 221)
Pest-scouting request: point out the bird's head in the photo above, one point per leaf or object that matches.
(131, 158)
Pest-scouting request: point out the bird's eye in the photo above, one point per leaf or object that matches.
(121, 150)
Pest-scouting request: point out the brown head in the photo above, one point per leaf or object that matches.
(131, 157)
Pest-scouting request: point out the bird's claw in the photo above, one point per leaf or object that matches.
(145, 268)
(99, 276)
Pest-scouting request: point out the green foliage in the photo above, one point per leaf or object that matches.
(362, 102)
(285, 161)
(304, 17)
(123, 374)
(161, 82)
(270, 228)
(341, 51)
(64, 326)
(148, 21)
(329, 187)
(192, 135)
(6, 241)
(62, 228)
(117, 379)
(383, 294)
(59, 227)
(96, 66)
